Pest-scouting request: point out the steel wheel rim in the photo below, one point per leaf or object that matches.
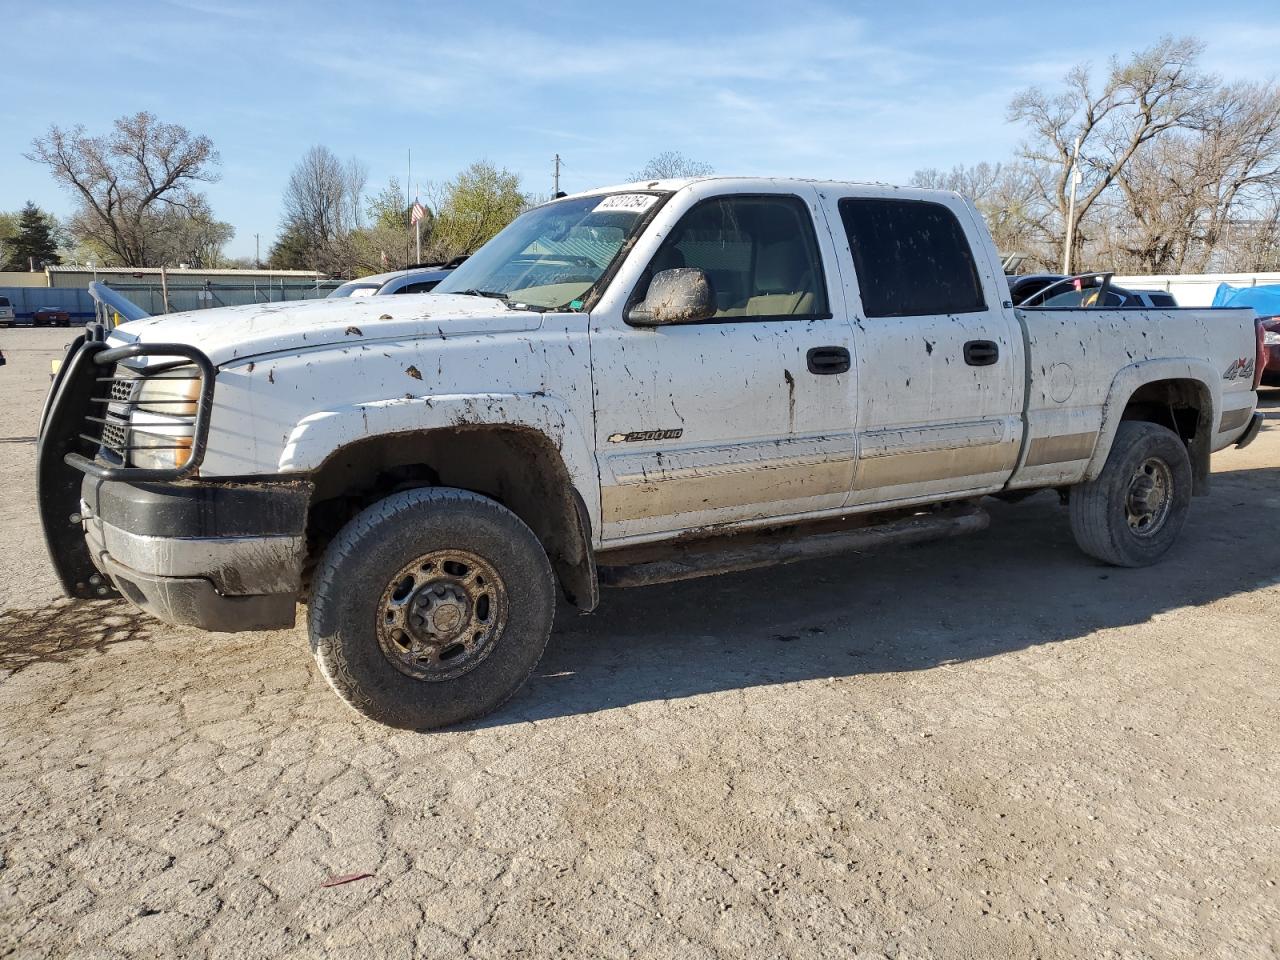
(441, 615)
(1150, 497)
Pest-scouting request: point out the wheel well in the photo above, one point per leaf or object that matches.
(518, 467)
(1186, 408)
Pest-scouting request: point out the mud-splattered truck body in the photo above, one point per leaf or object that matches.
(649, 382)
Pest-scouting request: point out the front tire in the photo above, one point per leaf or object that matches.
(431, 607)
(1133, 512)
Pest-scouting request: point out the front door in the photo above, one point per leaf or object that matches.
(939, 356)
(743, 416)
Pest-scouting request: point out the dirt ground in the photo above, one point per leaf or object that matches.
(989, 747)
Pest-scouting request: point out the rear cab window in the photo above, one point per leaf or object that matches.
(912, 258)
(1088, 297)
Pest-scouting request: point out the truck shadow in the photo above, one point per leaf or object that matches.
(1021, 583)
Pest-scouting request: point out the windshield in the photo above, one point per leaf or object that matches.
(551, 256)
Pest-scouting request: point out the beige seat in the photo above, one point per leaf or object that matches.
(783, 284)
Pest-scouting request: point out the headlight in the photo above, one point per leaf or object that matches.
(156, 450)
(1271, 338)
(163, 421)
(172, 392)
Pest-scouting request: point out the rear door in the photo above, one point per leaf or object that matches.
(939, 353)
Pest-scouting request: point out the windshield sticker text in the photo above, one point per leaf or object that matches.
(626, 202)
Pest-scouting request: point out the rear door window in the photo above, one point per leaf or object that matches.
(912, 258)
(4, 301)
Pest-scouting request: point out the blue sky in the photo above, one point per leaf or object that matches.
(855, 91)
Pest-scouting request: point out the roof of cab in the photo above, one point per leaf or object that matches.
(674, 184)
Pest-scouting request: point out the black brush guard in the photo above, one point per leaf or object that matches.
(67, 447)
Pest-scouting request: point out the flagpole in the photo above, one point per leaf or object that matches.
(417, 234)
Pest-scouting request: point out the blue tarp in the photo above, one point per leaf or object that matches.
(1264, 299)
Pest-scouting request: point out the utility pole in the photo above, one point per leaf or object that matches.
(1069, 243)
(257, 259)
(555, 191)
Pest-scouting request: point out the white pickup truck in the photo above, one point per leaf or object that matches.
(648, 382)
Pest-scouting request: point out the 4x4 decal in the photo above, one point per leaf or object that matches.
(1241, 369)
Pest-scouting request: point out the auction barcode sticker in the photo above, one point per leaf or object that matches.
(628, 202)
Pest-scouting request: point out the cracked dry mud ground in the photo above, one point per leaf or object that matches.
(986, 747)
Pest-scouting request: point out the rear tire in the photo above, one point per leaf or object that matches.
(1133, 512)
(431, 607)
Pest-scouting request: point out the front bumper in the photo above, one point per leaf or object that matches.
(223, 557)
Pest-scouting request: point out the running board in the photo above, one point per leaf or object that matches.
(690, 559)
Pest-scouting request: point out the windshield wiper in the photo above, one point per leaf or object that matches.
(484, 293)
(495, 295)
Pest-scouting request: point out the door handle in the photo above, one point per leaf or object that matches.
(981, 353)
(827, 360)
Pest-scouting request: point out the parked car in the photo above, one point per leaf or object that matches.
(413, 280)
(1271, 342)
(627, 386)
(1059, 290)
(6, 313)
(1154, 299)
(51, 317)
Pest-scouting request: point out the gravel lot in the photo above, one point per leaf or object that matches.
(980, 748)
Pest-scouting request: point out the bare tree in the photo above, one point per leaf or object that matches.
(322, 204)
(195, 237)
(671, 164)
(1158, 90)
(1184, 198)
(1006, 196)
(126, 180)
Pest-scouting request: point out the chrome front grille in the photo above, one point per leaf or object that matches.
(115, 437)
(108, 422)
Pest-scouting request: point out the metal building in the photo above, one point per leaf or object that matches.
(195, 289)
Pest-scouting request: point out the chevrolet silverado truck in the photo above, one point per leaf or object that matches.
(638, 384)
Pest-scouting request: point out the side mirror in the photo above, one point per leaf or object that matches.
(680, 295)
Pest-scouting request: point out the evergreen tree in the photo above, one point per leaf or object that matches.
(33, 245)
(291, 251)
